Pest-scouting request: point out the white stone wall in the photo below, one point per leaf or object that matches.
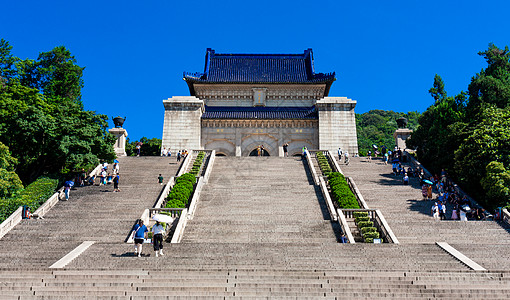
(337, 124)
(181, 127)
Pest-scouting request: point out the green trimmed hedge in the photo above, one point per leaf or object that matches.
(323, 163)
(361, 219)
(365, 224)
(181, 192)
(34, 195)
(341, 192)
(360, 214)
(366, 230)
(197, 163)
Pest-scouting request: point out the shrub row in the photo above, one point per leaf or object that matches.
(197, 164)
(34, 195)
(181, 192)
(323, 163)
(340, 191)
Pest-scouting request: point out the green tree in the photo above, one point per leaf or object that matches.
(42, 119)
(10, 184)
(496, 184)
(150, 147)
(492, 84)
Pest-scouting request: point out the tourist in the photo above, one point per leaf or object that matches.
(178, 156)
(442, 210)
(339, 154)
(262, 150)
(83, 175)
(454, 212)
(116, 183)
(92, 180)
(405, 179)
(435, 211)
(67, 187)
(105, 166)
(164, 152)
(103, 178)
(424, 192)
(138, 148)
(259, 149)
(429, 192)
(109, 178)
(385, 158)
(160, 179)
(169, 152)
(116, 168)
(157, 238)
(369, 156)
(139, 234)
(286, 150)
(346, 155)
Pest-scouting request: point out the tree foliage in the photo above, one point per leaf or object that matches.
(469, 134)
(150, 147)
(42, 120)
(377, 127)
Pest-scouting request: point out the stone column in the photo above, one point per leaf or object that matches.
(182, 124)
(401, 135)
(120, 144)
(337, 124)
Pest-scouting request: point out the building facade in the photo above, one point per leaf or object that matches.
(242, 101)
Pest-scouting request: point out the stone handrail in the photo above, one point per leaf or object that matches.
(46, 206)
(194, 199)
(505, 216)
(179, 229)
(185, 164)
(11, 221)
(333, 162)
(311, 166)
(174, 212)
(379, 222)
(327, 197)
(209, 166)
(16, 217)
(169, 185)
(357, 193)
(345, 227)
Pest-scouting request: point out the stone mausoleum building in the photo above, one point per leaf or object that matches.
(241, 101)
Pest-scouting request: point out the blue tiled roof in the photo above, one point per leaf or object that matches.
(259, 112)
(259, 68)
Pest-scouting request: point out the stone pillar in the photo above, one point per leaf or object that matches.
(401, 135)
(182, 124)
(337, 124)
(120, 144)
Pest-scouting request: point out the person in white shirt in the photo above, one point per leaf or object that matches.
(157, 238)
(164, 152)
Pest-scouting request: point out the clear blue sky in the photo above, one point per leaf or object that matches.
(385, 53)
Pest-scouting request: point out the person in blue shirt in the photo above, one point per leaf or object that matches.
(139, 234)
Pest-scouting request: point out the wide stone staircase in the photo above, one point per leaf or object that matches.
(409, 216)
(93, 213)
(260, 231)
(260, 200)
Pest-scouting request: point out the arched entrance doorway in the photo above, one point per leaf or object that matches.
(255, 152)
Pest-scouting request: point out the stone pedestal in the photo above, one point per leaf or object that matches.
(401, 136)
(120, 144)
